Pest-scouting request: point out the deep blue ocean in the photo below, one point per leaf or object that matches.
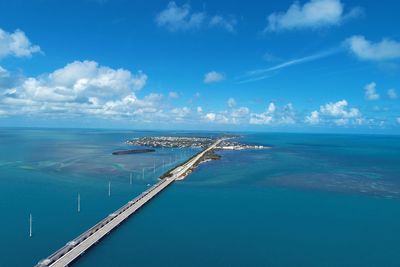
(309, 200)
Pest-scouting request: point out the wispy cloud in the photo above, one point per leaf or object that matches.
(224, 23)
(249, 79)
(261, 74)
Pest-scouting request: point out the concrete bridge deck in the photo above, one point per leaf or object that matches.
(73, 249)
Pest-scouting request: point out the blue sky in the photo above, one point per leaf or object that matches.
(314, 66)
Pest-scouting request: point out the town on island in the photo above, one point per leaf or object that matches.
(152, 142)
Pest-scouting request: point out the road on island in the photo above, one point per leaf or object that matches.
(73, 249)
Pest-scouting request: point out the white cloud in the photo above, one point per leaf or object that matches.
(260, 74)
(287, 116)
(79, 80)
(210, 116)
(239, 115)
(340, 109)
(240, 112)
(392, 94)
(313, 118)
(81, 87)
(273, 115)
(173, 94)
(85, 88)
(313, 14)
(213, 76)
(338, 113)
(3, 72)
(180, 113)
(370, 92)
(233, 116)
(181, 18)
(366, 50)
(220, 118)
(227, 24)
(231, 102)
(16, 44)
(176, 18)
(260, 119)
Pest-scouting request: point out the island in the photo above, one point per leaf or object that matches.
(133, 151)
(190, 142)
(224, 143)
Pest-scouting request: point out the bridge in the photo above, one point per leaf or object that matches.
(73, 249)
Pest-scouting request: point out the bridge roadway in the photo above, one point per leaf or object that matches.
(73, 249)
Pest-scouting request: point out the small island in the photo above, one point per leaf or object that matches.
(133, 151)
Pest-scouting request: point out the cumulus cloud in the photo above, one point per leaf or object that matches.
(370, 92)
(392, 94)
(264, 117)
(213, 76)
(240, 112)
(80, 80)
(176, 18)
(16, 44)
(81, 87)
(313, 14)
(210, 116)
(85, 88)
(233, 116)
(239, 115)
(313, 118)
(261, 118)
(180, 113)
(340, 109)
(287, 115)
(366, 50)
(338, 113)
(273, 115)
(181, 18)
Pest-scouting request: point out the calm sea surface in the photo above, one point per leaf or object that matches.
(309, 200)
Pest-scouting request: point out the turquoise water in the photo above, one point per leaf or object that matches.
(310, 200)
